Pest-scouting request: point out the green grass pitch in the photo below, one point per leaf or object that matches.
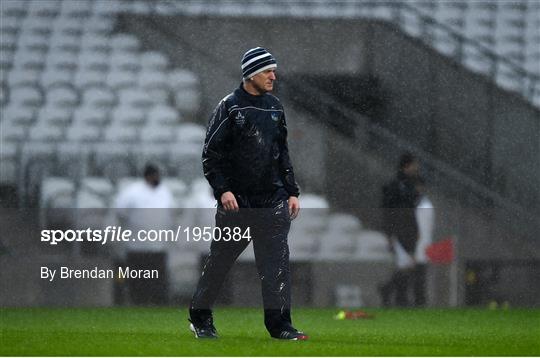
(163, 332)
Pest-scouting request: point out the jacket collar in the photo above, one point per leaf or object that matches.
(245, 94)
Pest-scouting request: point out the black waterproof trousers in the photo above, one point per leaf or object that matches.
(267, 216)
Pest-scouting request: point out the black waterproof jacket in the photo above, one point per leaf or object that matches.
(245, 150)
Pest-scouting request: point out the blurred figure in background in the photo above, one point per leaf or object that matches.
(425, 219)
(136, 210)
(400, 198)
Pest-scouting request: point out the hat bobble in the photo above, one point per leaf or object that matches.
(255, 61)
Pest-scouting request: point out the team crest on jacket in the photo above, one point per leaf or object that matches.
(275, 116)
(240, 118)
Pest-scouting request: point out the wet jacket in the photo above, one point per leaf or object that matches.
(245, 149)
(400, 199)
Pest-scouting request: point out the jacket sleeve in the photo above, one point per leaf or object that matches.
(214, 152)
(285, 165)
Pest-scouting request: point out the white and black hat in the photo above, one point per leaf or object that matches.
(257, 60)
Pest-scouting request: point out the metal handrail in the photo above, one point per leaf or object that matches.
(438, 166)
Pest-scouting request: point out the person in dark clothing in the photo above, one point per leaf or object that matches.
(246, 161)
(400, 198)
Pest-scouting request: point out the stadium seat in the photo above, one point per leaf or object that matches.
(124, 61)
(113, 160)
(73, 155)
(106, 8)
(158, 96)
(139, 7)
(68, 26)
(90, 116)
(191, 133)
(177, 186)
(14, 9)
(200, 197)
(157, 134)
(164, 115)
(6, 58)
(186, 159)
(88, 78)
(450, 13)
(180, 79)
(36, 163)
(153, 79)
(26, 60)
(99, 186)
(3, 94)
(13, 132)
(187, 101)
(135, 98)
(126, 181)
(127, 115)
(99, 97)
(446, 43)
(86, 200)
(56, 77)
(100, 25)
(125, 43)
(65, 40)
(92, 60)
(10, 25)
(8, 42)
(66, 61)
(62, 96)
(509, 80)
(121, 80)
(38, 25)
(476, 60)
(78, 9)
(54, 116)
(43, 8)
(372, 246)
(45, 133)
(91, 42)
(339, 241)
(8, 164)
(119, 133)
(164, 8)
(183, 268)
(25, 95)
(57, 192)
(154, 61)
(151, 152)
(19, 77)
(18, 114)
(33, 41)
(83, 133)
(313, 201)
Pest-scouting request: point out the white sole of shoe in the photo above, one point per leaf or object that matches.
(192, 329)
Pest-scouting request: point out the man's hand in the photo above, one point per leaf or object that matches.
(294, 207)
(228, 201)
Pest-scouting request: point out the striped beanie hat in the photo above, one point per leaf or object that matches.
(257, 60)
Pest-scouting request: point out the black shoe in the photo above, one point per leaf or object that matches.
(204, 329)
(290, 334)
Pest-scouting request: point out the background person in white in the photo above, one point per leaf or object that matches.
(425, 218)
(144, 205)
